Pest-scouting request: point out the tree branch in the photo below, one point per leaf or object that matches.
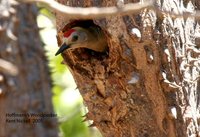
(8, 67)
(102, 12)
(93, 12)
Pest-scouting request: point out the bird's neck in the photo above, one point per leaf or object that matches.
(98, 41)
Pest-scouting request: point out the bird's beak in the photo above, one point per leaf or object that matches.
(62, 48)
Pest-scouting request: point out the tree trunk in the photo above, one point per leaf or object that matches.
(25, 85)
(145, 87)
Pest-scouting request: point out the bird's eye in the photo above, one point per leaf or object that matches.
(74, 38)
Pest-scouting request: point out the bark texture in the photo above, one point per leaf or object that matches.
(145, 87)
(30, 90)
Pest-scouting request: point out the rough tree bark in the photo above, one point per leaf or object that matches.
(145, 87)
(27, 92)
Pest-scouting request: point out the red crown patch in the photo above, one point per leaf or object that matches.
(68, 33)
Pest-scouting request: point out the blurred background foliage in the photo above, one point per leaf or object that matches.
(67, 102)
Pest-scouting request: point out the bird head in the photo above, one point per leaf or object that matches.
(73, 38)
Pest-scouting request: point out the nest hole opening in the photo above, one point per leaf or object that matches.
(84, 53)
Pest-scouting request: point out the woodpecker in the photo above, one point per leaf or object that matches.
(78, 37)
